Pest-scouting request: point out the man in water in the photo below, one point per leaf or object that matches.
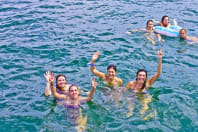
(183, 36)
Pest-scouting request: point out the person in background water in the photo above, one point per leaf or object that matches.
(150, 33)
(61, 84)
(73, 101)
(183, 36)
(110, 79)
(165, 22)
(141, 85)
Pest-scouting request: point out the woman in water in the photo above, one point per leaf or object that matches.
(165, 22)
(73, 101)
(141, 85)
(150, 34)
(183, 36)
(110, 79)
(61, 84)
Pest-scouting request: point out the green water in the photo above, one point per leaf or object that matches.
(61, 36)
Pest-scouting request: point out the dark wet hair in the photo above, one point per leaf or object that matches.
(148, 22)
(112, 66)
(142, 70)
(183, 30)
(72, 85)
(163, 18)
(60, 75)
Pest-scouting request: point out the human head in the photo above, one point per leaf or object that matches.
(141, 76)
(149, 24)
(111, 71)
(61, 81)
(73, 91)
(165, 20)
(182, 33)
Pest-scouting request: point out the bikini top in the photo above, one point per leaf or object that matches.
(111, 85)
(144, 92)
(72, 106)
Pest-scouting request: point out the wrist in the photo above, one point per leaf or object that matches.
(92, 64)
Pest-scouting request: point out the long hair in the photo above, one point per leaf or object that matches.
(60, 75)
(142, 70)
(163, 18)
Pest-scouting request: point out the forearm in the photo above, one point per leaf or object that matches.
(47, 89)
(91, 94)
(159, 67)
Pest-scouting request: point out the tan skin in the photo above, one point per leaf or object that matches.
(61, 82)
(141, 77)
(110, 78)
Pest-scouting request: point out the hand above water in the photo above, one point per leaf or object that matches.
(95, 56)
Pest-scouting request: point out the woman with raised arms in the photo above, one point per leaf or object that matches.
(110, 79)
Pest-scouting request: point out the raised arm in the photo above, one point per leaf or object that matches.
(94, 85)
(151, 80)
(91, 93)
(92, 66)
(47, 88)
(55, 94)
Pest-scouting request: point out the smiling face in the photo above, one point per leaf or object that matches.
(73, 92)
(182, 33)
(141, 77)
(61, 82)
(111, 73)
(150, 25)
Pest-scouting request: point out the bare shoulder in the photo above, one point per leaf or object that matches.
(130, 84)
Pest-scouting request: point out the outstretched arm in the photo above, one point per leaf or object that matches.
(55, 94)
(92, 66)
(47, 88)
(151, 80)
(135, 30)
(90, 95)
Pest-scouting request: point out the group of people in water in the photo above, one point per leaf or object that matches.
(152, 35)
(69, 94)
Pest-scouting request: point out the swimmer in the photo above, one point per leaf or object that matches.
(183, 36)
(110, 79)
(150, 34)
(141, 85)
(61, 84)
(165, 22)
(72, 99)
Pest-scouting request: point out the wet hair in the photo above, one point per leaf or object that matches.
(72, 85)
(142, 70)
(112, 66)
(163, 18)
(148, 22)
(182, 30)
(60, 75)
